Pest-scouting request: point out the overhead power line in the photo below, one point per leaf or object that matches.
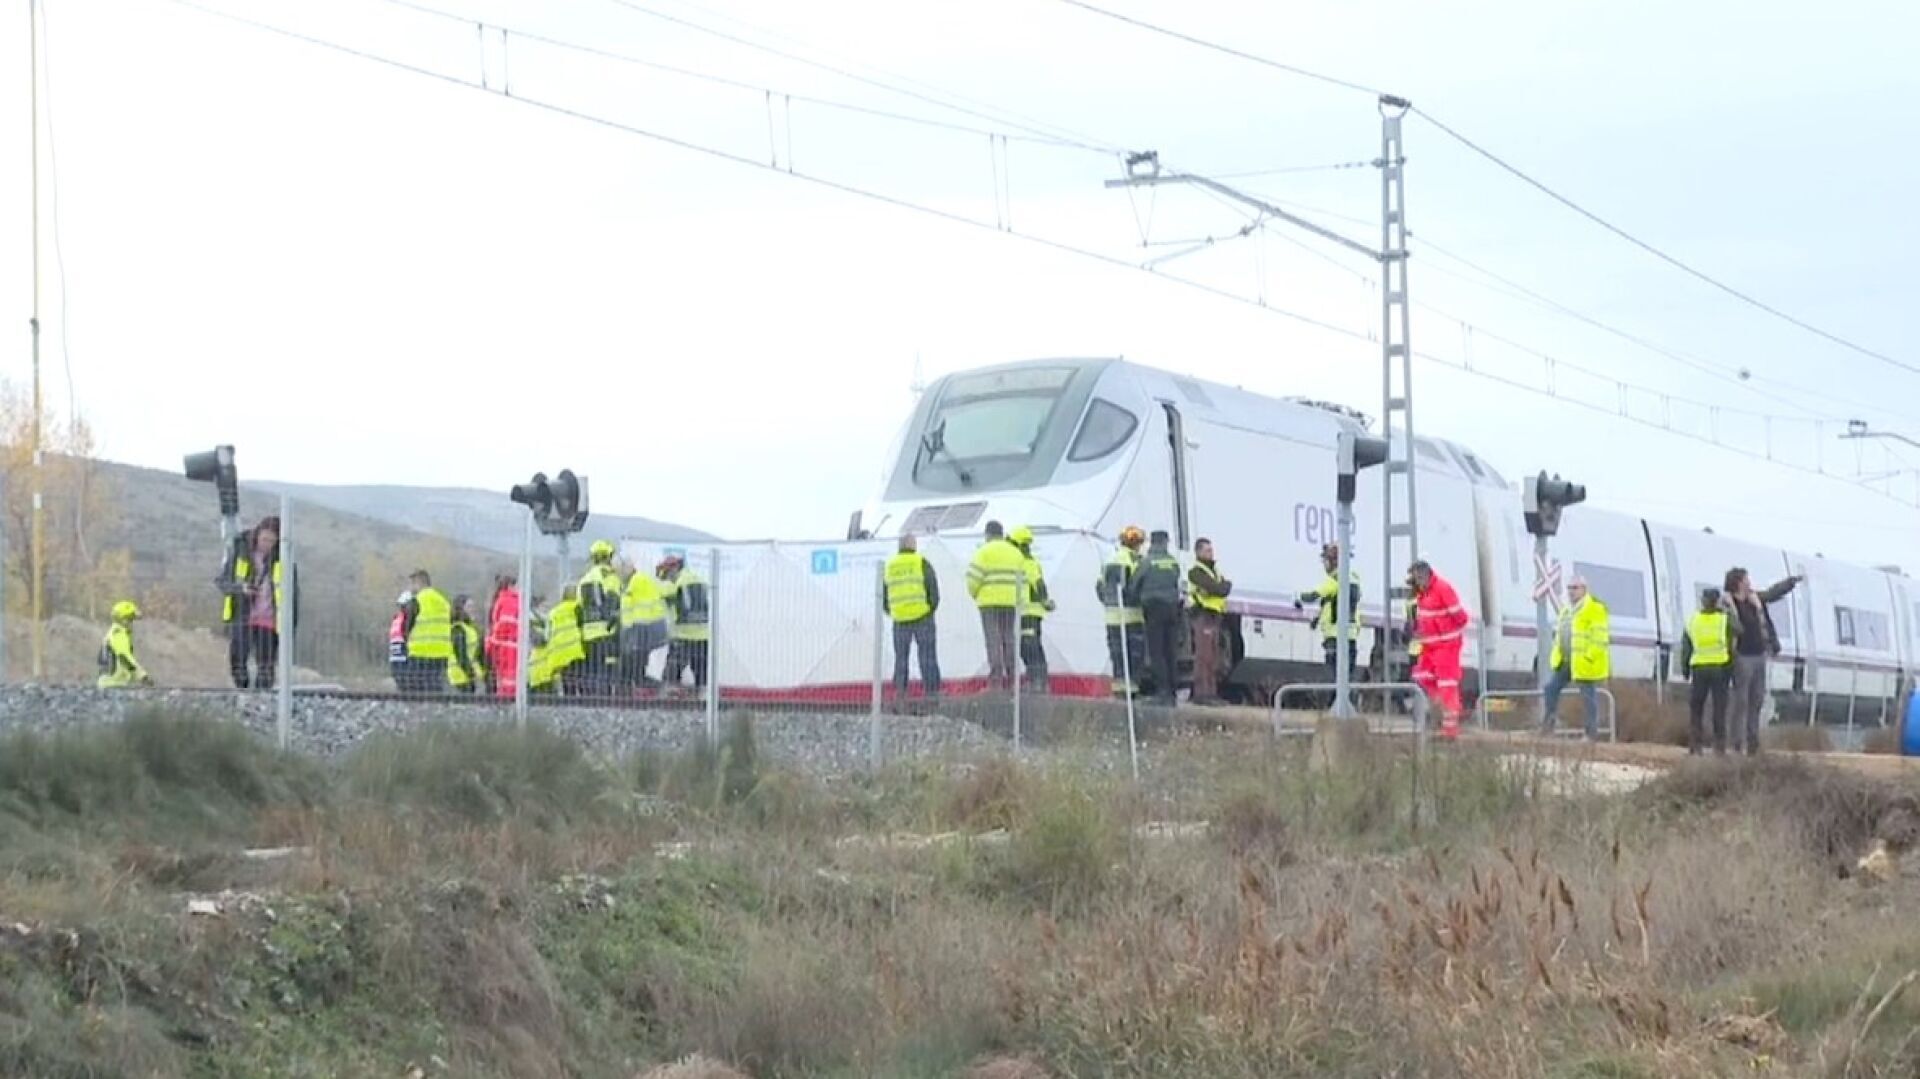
(958, 218)
(722, 80)
(1519, 174)
(1225, 49)
(1684, 267)
(996, 116)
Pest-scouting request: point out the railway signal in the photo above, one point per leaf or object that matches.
(1542, 501)
(216, 466)
(1355, 453)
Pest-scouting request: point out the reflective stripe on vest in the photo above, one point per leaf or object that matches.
(907, 587)
(641, 604)
(1207, 601)
(432, 635)
(1708, 632)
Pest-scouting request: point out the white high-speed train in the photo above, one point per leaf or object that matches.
(1099, 444)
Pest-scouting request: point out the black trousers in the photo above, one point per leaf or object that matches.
(1714, 682)
(907, 637)
(426, 677)
(602, 667)
(1134, 640)
(1163, 630)
(682, 655)
(260, 646)
(1033, 654)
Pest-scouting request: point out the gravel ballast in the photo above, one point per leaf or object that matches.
(330, 726)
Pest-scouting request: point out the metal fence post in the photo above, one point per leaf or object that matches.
(523, 636)
(1013, 671)
(879, 630)
(713, 646)
(1126, 685)
(3, 587)
(286, 628)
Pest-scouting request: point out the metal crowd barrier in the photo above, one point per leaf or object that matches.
(1610, 715)
(1419, 696)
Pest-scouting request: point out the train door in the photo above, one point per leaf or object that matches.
(1805, 601)
(1677, 599)
(1180, 502)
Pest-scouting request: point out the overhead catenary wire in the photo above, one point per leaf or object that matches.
(959, 218)
(1671, 260)
(1524, 177)
(1227, 50)
(1000, 117)
(722, 80)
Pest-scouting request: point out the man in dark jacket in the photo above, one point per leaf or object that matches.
(1160, 590)
(1209, 589)
(1755, 642)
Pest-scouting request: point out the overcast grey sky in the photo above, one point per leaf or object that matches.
(360, 274)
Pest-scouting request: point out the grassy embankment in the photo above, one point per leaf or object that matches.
(486, 903)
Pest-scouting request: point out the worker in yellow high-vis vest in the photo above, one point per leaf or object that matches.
(252, 586)
(1126, 622)
(599, 590)
(467, 669)
(1209, 589)
(912, 596)
(996, 580)
(566, 651)
(1706, 657)
(643, 628)
(689, 641)
(1581, 643)
(118, 667)
(428, 625)
(1033, 645)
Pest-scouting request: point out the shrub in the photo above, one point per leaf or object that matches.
(1064, 846)
(709, 776)
(480, 773)
(156, 769)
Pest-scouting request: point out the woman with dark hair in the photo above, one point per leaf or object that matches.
(1755, 642)
(251, 583)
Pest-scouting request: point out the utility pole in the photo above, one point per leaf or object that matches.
(37, 568)
(1399, 517)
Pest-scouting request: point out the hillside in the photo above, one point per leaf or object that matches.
(352, 565)
(480, 518)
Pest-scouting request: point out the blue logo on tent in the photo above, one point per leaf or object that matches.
(827, 561)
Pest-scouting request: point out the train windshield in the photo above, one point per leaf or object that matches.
(994, 430)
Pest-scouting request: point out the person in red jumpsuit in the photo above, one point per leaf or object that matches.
(1440, 626)
(503, 635)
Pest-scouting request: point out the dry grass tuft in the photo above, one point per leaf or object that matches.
(1882, 740)
(693, 1067)
(1645, 718)
(1796, 738)
(1020, 1067)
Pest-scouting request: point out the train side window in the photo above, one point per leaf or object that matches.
(1624, 591)
(1843, 625)
(1106, 428)
(1862, 629)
